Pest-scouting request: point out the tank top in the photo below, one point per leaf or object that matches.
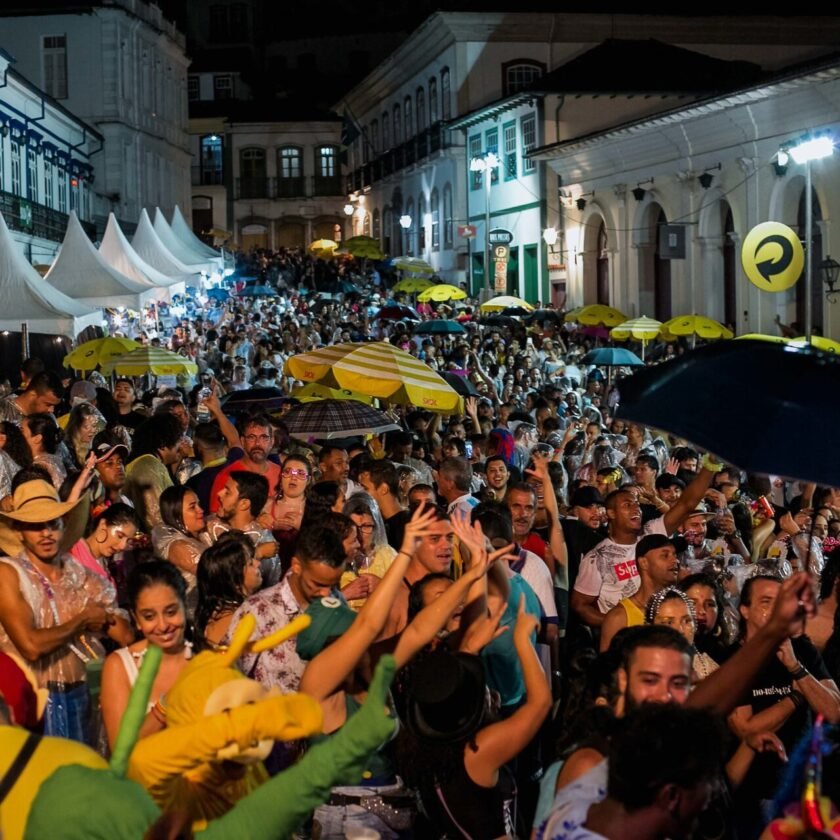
(635, 616)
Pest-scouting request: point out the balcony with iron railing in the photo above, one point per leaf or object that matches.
(27, 216)
(420, 147)
(302, 186)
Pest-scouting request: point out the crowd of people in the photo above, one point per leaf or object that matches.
(594, 630)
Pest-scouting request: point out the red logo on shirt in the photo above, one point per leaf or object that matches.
(627, 570)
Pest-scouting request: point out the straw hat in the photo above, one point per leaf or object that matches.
(37, 501)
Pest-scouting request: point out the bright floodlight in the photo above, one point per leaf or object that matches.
(812, 149)
(550, 236)
(348, 209)
(405, 221)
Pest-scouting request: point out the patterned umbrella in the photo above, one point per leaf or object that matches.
(644, 329)
(497, 304)
(331, 419)
(145, 360)
(94, 353)
(441, 292)
(377, 369)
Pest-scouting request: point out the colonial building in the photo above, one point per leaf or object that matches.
(46, 165)
(120, 66)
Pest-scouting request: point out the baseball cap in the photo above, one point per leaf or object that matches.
(106, 444)
(650, 543)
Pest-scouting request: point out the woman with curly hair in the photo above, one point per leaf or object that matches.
(706, 594)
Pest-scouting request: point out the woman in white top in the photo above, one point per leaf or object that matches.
(156, 594)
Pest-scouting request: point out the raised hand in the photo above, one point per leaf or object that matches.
(416, 528)
(483, 630)
(526, 624)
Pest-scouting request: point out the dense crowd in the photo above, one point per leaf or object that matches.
(594, 630)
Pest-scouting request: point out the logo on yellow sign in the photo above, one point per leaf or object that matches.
(773, 257)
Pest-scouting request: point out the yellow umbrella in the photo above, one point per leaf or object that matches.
(413, 265)
(411, 285)
(698, 326)
(497, 304)
(99, 351)
(644, 329)
(441, 292)
(323, 245)
(363, 247)
(820, 342)
(776, 339)
(377, 369)
(596, 314)
(315, 391)
(145, 360)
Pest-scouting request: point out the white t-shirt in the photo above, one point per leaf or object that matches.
(571, 807)
(610, 571)
(538, 576)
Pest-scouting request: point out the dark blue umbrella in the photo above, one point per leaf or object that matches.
(218, 293)
(439, 327)
(612, 357)
(767, 408)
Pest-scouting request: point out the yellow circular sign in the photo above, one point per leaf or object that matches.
(772, 256)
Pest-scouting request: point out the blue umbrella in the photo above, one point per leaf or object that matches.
(612, 357)
(218, 293)
(439, 327)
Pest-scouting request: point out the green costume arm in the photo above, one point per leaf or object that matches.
(277, 808)
(160, 760)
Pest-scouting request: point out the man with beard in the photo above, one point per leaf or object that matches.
(257, 440)
(659, 567)
(609, 572)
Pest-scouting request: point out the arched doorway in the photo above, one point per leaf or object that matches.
(291, 233)
(602, 266)
(596, 265)
(654, 269)
(253, 236)
(730, 305)
(815, 254)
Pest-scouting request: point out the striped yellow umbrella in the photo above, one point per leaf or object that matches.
(698, 326)
(316, 391)
(145, 360)
(99, 351)
(497, 304)
(643, 329)
(595, 315)
(441, 292)
(412, 285)
(377, 369)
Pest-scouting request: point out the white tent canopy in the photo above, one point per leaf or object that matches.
(181, 229)
(147, 243)
(81, 272)
(116, 250)
(180, 250)
(26, 297)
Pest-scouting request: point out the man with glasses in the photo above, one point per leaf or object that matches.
(257, 441)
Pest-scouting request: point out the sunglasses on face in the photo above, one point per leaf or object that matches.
(293, 473)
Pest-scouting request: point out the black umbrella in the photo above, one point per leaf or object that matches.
(541, 316)
(498, 321)
(767, 408)
(515, 312)
(460, 384)
(254, 399)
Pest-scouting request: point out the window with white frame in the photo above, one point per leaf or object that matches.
(61, 176)
(509, 159)
(54, 63)
(31, 174)
(49, 183)
(433, 101)
(445, 101)
(291, 162)
(448, 221)
(475, 152)
(326, 158)
(528, 130)
(420, 109)
(223, 87)
(435, 220)
(520, 74)
(17, 173)
(421, 225)
(193, 89)
(491, 144)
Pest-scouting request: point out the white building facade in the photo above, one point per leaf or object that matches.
(46, 165)
(668, 201)
(121, 67)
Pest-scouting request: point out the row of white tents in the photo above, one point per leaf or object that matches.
(161, 259)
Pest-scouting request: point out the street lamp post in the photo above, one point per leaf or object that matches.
(485, 164)
(809, 148)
